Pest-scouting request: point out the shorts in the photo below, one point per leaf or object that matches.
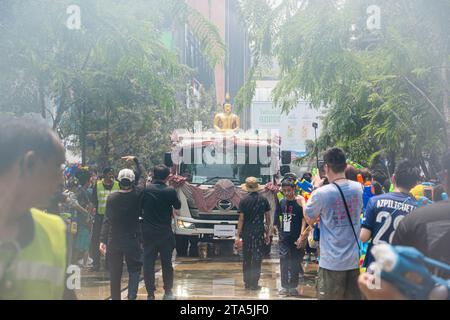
(338, 285)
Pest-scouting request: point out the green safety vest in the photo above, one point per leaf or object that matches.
(102, 195)
(280, 196)
(39, 270)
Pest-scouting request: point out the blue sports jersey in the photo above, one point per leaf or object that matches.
(382, 216)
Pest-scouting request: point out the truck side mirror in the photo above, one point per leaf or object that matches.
(168, 159)
(285, 169)
(286, 157)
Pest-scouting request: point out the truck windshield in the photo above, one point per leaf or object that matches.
(209, 174)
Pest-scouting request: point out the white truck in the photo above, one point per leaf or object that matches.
(208, 169)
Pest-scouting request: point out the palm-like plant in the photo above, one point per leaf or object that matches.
(115, 64)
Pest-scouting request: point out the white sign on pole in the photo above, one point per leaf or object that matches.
(295, 128)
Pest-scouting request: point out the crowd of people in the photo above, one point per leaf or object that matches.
(130, 220)
(347, 213)
(338, 213)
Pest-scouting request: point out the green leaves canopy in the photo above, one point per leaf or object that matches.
(385, 90)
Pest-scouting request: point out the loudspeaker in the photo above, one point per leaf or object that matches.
(286, 157)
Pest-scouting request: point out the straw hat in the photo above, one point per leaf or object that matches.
(251, 185)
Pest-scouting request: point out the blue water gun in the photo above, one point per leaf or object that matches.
(423, 201)
(408, 270)
(305, 185)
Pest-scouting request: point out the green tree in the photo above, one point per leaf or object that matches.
(385, 90)
(108, 85)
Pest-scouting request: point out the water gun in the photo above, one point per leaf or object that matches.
(423, 201)
(354, 164)
(362, 256)
(409, 270)
(360, 179)
(72, 170)
(368, 192)
(306, 195)
(428, 184)
(305, 185)
(363, 249)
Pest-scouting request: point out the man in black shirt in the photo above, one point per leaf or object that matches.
(253, 209)
(159, 202)
(291, 225)
(121, 230)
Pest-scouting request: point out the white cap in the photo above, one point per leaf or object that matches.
(126, 174)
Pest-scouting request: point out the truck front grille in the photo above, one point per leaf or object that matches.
(221, 217)
(204, 225)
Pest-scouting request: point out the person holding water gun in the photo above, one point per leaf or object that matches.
(304, 185)
(304, 188)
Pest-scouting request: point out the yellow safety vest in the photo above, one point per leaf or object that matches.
(280, 196)
(39, 270)
(102, 195)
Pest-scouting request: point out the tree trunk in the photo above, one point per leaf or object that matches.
(41, 93)
(107, 136)
(391, 163)
(83, 134)
(445, 100)
(61, 108)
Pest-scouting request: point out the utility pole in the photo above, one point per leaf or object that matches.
(315, 126)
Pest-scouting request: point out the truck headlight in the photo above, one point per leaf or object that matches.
(185, 225)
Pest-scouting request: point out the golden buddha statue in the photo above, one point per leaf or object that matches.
(227, 120)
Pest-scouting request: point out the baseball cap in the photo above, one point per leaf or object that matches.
(290, 175)
(126, 174)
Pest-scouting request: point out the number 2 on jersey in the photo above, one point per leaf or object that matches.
(386, 225)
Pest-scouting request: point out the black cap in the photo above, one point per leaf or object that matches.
(290, 175)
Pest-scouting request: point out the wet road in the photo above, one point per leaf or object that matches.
(217, 278)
